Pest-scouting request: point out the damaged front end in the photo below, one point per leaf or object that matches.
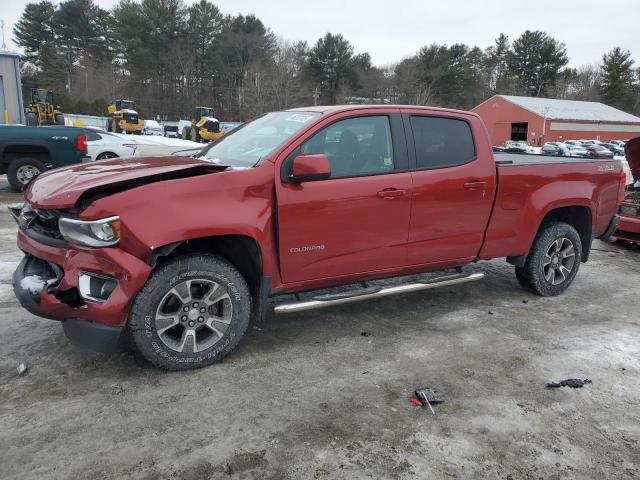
(629, 227)
(89, 289)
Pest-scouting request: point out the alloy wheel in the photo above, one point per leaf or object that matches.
(193, 316)
(559, 260)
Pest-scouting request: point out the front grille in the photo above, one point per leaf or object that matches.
(44, 222)
(629, 210)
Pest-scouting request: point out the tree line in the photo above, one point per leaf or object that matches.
(169, 57)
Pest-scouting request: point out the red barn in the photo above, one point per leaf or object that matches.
(540, 120)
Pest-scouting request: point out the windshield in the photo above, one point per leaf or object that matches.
(247, 144)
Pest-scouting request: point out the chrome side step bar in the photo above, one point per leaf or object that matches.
(368, 293)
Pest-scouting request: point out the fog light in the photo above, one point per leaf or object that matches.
(95, 287)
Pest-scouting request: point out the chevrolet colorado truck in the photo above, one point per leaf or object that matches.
(177, 254)
(25, 152)
(629, 227)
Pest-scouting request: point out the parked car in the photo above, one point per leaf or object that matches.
(573, 143)
(181, 252)
(102, 145)
(615, 148)
(515, 147)
(578, 151)
(629, 228)
(171, 131)
(151, 127)
(598, 151)
(618, 142)
(555, 149)
(26, 152)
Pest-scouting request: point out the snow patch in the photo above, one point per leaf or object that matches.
(33, 283)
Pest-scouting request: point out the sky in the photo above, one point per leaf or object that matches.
(392, 30)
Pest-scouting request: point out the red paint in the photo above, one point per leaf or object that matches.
(629, 228)
(317, 233)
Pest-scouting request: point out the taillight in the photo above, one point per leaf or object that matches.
(622, 188)
(81, 143)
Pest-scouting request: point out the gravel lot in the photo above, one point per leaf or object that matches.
(325, 394)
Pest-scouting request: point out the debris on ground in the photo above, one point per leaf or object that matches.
(569, 382)
(425, 397)
(22, 369)
(415, 401)
(364, 333)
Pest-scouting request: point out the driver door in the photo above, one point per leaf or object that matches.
(357, 221)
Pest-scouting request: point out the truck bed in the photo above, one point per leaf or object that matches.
(534, 159)
(527, 186)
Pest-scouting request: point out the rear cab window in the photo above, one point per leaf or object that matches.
(441, 142)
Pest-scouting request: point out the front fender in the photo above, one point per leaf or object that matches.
(232, 202)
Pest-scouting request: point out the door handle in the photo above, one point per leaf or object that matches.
(389, 193)
(475, 185)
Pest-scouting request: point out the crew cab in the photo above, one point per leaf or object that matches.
(179, 253)
(25, 152)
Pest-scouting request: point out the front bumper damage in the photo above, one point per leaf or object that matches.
(48, 283)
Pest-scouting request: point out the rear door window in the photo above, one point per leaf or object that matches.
(441, 142)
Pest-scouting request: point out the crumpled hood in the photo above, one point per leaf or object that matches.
(62, 187)
(632, 153)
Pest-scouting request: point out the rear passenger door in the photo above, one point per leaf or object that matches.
(357, 221)
(453, 185)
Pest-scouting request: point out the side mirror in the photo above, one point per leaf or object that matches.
(309, 167)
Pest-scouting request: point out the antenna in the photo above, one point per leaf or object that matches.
(4, 45)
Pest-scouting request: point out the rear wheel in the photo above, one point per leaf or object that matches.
(59, 119)
(106, 155)
(553, 262)
(191, 313)
(22, 171)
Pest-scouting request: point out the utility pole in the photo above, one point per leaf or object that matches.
(316, 96)
(4, 45)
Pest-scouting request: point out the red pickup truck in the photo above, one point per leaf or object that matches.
(179, 253)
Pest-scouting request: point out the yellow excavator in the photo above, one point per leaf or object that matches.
(124, 117)
(41, 110)
(204, 127)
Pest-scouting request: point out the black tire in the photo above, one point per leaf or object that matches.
(169, 349)
(32, 119)
(106, 155)
(59, 119)
(548, 271)
(22, 171)
(195, 135)
(115, 126)
(186, 133)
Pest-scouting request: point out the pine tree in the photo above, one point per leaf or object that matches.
(34, 31)
(330, 65)
(617, 78)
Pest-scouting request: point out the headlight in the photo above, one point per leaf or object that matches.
(96, 233)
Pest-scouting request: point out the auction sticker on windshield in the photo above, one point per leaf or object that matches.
(299, 117)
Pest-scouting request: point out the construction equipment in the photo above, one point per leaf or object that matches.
(204, 126)
(124, 117)
(41, 110)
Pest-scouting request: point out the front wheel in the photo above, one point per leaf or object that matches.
(191, 313)
(553, 262)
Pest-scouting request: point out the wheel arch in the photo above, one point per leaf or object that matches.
(579, 217)
(241, 251)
